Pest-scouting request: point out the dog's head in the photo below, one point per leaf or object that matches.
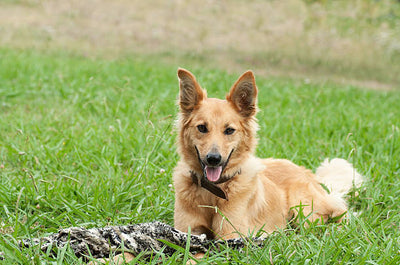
(216, 135)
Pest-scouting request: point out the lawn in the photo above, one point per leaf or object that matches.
(90, 142)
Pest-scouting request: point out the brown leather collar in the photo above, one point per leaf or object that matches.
(212, 187)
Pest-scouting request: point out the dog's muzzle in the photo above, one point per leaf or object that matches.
(213, 174)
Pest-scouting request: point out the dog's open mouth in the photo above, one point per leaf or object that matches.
(213, 173)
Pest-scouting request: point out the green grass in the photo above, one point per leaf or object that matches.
(90, 142)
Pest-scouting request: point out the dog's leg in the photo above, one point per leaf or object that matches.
(197, 256)
(228, 226)
(198, 225)
(317, 204)
(197, 218)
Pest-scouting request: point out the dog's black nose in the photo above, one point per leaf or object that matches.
(213, 159)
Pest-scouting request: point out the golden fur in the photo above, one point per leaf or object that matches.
(262, 193)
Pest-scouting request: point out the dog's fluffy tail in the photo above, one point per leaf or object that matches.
(338, 176)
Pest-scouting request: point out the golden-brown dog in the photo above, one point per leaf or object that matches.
(218, 169)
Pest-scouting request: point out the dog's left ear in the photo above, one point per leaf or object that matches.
(243, 94)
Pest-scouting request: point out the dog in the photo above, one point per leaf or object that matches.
(223, 190)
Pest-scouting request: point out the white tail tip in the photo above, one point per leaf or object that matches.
(338, 175)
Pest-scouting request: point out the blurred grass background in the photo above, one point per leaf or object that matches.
(346, 42)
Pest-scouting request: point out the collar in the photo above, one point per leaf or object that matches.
(210, 186)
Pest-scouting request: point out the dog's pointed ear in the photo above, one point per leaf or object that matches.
(190, 93)
(243, 94)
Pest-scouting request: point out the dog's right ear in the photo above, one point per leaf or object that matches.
(190, 94)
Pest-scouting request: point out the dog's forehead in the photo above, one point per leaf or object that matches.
(213, 110)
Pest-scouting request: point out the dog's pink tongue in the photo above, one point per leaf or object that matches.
(213, 173)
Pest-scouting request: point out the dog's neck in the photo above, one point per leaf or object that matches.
(201, 181)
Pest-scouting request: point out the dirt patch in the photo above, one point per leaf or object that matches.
(277, 37)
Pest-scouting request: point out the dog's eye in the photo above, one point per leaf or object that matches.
(202, 128)
(229, 131)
